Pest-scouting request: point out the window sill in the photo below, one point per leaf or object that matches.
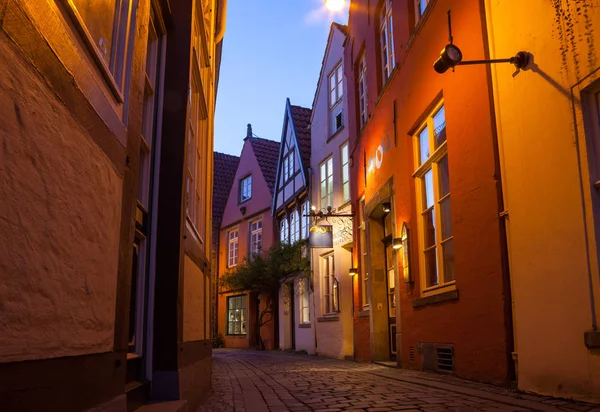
(387, 83)
(419, 26)
(436, 298)
(329, 318)
(364, 313)
(304, 326)
(334, 134)
(236, 336)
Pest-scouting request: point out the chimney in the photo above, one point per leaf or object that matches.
(249, 131)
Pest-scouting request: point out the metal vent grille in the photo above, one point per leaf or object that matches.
(411, 353)
(445, 358)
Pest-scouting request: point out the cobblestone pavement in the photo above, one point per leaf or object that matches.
(252, 381)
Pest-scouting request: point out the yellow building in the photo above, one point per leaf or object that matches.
(548, 131)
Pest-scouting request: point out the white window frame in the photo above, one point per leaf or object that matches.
(336, 85)
(241, 311)
(386, 39)
(362, 91)
(329, 285)
(288, 166)
(284, 230)
(345, 171)
(431, 164)
(326, 183)
(305, 220)
(245, 188)
(363, 258)
(233, 247)
(256, 237)
(294, 227)
(304, 301)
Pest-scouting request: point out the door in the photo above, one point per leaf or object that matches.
(390, 282)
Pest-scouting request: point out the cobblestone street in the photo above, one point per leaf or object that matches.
(255, 381)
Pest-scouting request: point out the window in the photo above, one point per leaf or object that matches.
(362, 90)
(245, 188)
(305, 220)
(232, 247)
(288, 165)
(255, 237)
(386, 39)
(294, 227)
(420, 7)
(363, 255)
(330, 286)
(108, 27)
(327, 183)
(284, 231)
(336, 91)
(236, 315)
(304, 301)
(433, 201)
(345, 173)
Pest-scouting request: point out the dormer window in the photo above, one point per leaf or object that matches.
(246, 188)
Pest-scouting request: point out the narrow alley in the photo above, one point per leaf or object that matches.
(255, 381)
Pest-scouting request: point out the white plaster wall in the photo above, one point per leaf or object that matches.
(333, 338)
(541, 173)
(305, 337)
(59, 225)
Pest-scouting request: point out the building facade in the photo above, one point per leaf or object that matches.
(433, 280)
(94, 228)
(247, 229)
(330, 190)
(290, 208)
(548, 134)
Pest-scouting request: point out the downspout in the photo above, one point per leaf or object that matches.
(312, 271)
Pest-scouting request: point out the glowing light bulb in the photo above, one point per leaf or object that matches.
(335, 5)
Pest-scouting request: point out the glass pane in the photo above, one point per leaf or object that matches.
(330, 167)
(444, 176)
(431, 267)
(98, 17)
(429, 228)
(423, 146)
(346, 188)
(439, 125)
(446, 218)
(345, 154)
(428, 189)
(422, 7)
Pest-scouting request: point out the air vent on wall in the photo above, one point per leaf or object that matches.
(411, 353)
(445, 358)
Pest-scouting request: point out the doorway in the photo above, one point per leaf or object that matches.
(390, 271)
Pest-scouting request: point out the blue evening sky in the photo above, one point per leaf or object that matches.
(272, 50)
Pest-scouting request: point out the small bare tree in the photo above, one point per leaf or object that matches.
(265, 273)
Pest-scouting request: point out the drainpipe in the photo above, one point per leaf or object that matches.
(309, 254)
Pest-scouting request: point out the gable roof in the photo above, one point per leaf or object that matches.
(225, 167)
(344, 30)
(301, 119)
(267, 153)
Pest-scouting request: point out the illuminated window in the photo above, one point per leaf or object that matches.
(345, 173)
(236, 315)
(304, 301)
(362, 90)
(330, 285)
(288, 166)
(363, 255)
(232, 247)
(336, 91)
(255, 237)
(386, 39)
(245, 188)
(305, 220)
(326, 178)
(294, 227)
(433, 200)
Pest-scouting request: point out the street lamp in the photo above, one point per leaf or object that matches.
(335, 5)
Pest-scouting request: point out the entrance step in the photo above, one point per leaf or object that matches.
(172, 406)
(389, 364)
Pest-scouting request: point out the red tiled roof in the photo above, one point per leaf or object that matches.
(225, 167)
(301, 118)
(267, 153)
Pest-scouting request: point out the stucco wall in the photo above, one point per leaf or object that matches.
(59, 225)
(195, 294)
(537, 125)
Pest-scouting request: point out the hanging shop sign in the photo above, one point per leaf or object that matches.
(320, 236)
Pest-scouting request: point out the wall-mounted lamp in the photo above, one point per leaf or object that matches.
(387, 208)
(397, 243)
(243, 210)
(353, 271)
(405, 240)
(451, 56)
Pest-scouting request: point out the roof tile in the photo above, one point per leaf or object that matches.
(267, 153)
(301, 118)
(225, 167)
